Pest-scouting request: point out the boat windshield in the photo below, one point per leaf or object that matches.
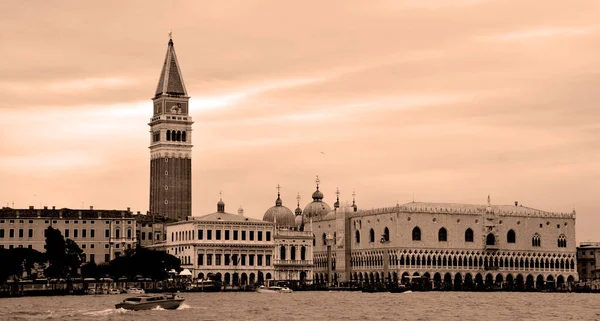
(134, 299)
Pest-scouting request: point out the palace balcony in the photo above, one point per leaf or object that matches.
(292, 262)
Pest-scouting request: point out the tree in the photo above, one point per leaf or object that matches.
(144, 262)
(18, 260)
(64, 256)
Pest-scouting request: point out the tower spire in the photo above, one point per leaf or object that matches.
(171, 81)
(278, 201)
(317, 181)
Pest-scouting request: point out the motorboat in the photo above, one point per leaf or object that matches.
(135, 291)
(273, 289)
(151, 301)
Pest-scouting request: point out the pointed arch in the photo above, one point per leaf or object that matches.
(416, 234)
(490, 239)
(469, 235)
(371, 236)
(168, 135)
(386, 234)
(536, 240)
(442, 235)
(511, 237)
(357, 236)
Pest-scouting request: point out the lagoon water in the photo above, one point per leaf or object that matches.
(318, 306)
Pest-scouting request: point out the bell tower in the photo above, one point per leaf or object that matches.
(171, 144)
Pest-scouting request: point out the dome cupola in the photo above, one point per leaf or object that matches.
(279, 214)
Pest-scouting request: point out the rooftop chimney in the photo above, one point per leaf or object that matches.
(45, 207)
(129, 209)
(516, 203)
(30, 207)
(53, 207)
(91, 207)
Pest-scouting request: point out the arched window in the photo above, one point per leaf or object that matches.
(129, 233)
(536, 240)
(282, 253)
(178, 136)
(303, 253)
(371, 236)
(386, 234)
(511, 237)
(324, 239)
(117, 233)
(357, 235)
(562, 241)
(490, 239)
(293, 253)
(442, 235)
(183, 136)
(469, 235)
(168, 135)
(314, 240)
(416, 234)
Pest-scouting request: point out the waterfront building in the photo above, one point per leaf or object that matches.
(150, 229)
(588, 261)
(101, 234)
(233, 248)
(171, 144)
(442, 244)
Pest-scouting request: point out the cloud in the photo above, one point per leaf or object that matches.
(542, 32)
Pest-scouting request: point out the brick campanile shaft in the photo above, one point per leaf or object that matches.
(171, 144)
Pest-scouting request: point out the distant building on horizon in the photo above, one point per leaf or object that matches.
(588, 261)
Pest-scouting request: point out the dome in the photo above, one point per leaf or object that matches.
(298, 221)
(317, 195)
(316, 209)
(280, 214)
(298, 211)
(330, 215)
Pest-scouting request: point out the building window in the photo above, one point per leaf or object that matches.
(324, 239)
(303, 253)
(562, 241)
(92, 257)
(490, 239)
(416, 234)
(536, 240)
(442, 235)
(92, 233)
(128, 233)
(372, 236)
(251, 259)
(21, 233)
(11, 233)
(30, 233)
(106, 258)
(511, 237)
(117, 233)
(469, 235)
(243, 235)
(143, 236)
(217, 259)
(218, 234)
(259, 235)
(200, 234)
(282, 253)
(386, 234)
(209, 234)
(84, 233)
(243, 259)
(107, 233)
(259, 259)
(268, 238)
(251, 235)
(267, 260)
(67, 233)
(357, 236)
(2, 233)
(200, 259)
(235, 235)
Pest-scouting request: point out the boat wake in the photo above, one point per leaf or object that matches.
(184, 306)
(105, 312)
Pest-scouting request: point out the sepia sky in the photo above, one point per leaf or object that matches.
(448, 101)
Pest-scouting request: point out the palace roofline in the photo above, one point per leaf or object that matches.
(457, 208)
(64, 213)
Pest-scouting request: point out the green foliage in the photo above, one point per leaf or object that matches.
(145, 263)
(15, 261)
(64, 257)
